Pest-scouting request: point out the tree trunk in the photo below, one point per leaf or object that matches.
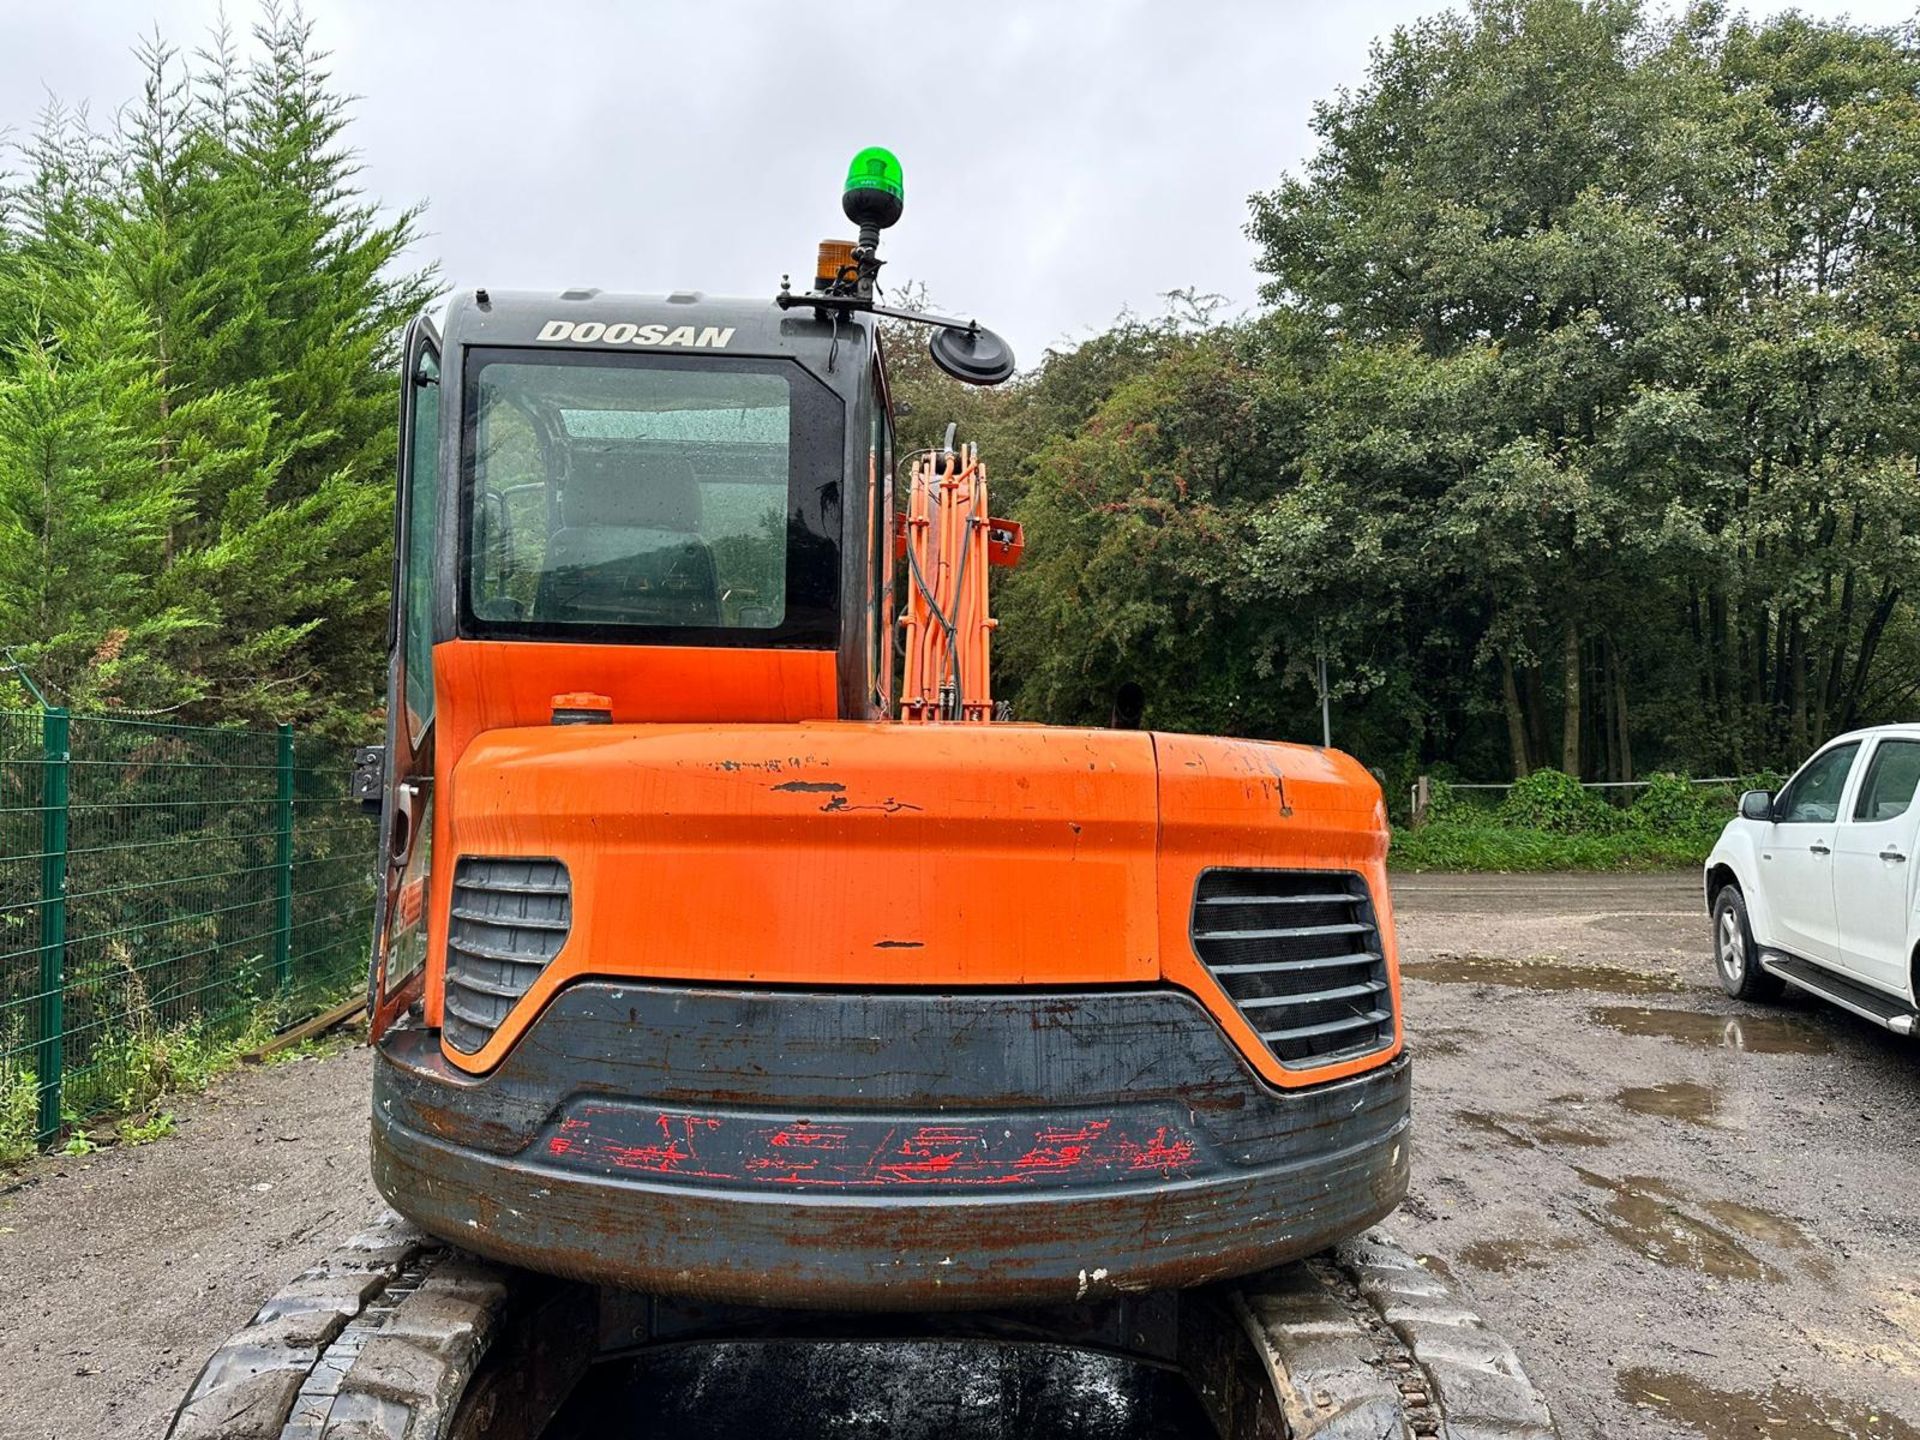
(1533, 692)
(1797, 690)
(1570, 713)
(1516, 719)
(1622, 731)
(1863, 658)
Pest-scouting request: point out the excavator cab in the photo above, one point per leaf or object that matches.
(730, 949)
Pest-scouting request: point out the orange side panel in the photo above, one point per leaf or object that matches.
(485, 685)
(1281, 807)
(824, 854)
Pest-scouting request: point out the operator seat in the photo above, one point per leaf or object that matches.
(629, 549)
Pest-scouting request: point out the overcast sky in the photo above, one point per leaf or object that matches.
(1063, 161)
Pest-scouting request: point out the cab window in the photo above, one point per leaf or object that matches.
(1886, 790)
(609, 497)
(423, 488)
(1814, 796)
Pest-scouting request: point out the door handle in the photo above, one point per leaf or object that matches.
(401, 838)
(1820, 848)
(1891, 855)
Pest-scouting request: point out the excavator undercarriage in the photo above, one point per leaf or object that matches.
(395, 1336)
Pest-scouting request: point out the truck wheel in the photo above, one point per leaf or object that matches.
(1735, 955)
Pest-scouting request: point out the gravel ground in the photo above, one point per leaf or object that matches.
(1694, 1217)
(120, 1271)
(1691, 1215)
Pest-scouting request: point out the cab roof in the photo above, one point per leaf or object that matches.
(686, 321)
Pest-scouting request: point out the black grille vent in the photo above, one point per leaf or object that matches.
(510, 918)
(1298, 951)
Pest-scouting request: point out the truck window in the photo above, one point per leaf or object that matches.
(1886, 790)
(1814, 796)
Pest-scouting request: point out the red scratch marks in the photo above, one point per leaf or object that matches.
(804, 1136)
(571, 1130)
(1062, 1149)
(933, 1152)
(657, 1158)
(1158, 1153)
(864, 1154)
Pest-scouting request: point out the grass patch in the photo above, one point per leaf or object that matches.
(147, 1066)
(19, 1114)
(1470, 845)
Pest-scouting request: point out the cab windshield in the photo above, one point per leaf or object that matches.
(674, 500)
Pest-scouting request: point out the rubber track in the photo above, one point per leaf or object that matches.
(1364, 1343)
(377, 1342)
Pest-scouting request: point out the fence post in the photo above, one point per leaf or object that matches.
(283, 865)
(50, 1059)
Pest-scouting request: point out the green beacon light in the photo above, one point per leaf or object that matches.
(874, 196)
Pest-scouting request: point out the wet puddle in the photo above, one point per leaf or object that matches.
(1759, 1224)
(1738, 1415)
(1643, 1215)
(1674, 1100)
(1546, 973)
(915, 1389)
(1503, 1257)
(1755, 1034)
(1525, 1132)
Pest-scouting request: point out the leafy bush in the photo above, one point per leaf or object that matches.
(1445, 803)
(1549, 822)
(1671, 805)
(1554, 802)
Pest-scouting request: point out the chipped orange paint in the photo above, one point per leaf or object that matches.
(798, 850)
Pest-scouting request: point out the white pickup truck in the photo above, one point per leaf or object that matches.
(1815, 886)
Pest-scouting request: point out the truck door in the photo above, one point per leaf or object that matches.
(1796, 855)
(406, 813)
(1873, 866)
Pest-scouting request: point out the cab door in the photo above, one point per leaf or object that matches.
(1873, 866)
(406, 812)
(1796, 857)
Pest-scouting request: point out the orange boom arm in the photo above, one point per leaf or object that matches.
(949, 542)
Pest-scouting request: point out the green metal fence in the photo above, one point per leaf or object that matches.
(164, 885)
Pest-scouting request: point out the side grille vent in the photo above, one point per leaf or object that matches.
(1298, 952)
(510, 918)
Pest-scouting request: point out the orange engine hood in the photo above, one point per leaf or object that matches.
(866, 854)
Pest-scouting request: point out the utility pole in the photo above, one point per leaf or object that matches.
(1326, 715)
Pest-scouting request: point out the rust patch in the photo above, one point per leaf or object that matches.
(811, 787)
(839, 805)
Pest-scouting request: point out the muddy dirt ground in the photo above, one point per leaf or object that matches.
(1693, 1216)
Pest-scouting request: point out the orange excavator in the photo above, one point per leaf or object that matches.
(740, 971)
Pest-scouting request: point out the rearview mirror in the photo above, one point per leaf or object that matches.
(971, 355)
(1756, 805)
